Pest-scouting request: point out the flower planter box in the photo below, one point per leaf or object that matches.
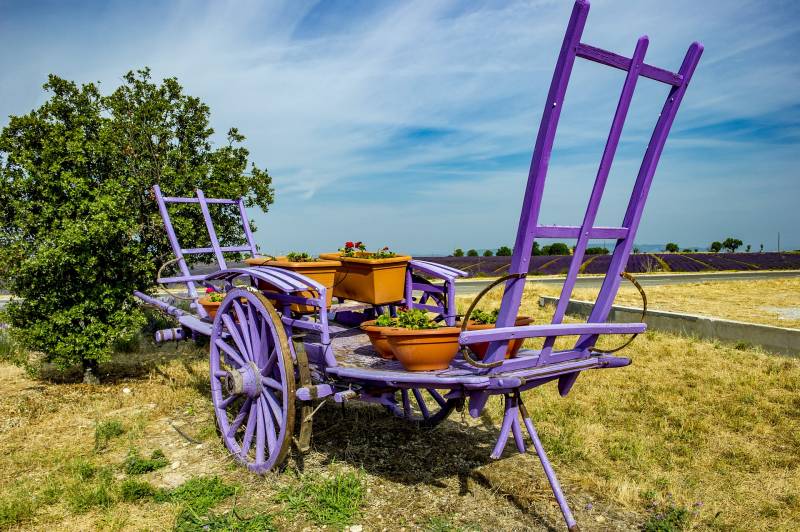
(211, 307)
(424, 349)
(373, 281)
(513, 346)
(377, 335)
(322, 271)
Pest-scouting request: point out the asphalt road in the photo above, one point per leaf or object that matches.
(473, 286)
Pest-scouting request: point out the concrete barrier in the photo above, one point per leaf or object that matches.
(776, 339)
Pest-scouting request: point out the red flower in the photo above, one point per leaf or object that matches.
(348, 244)
(358, 244)
(210, 290)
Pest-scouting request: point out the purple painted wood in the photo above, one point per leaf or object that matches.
(438, 271)
(252, 381)
(641, 188)
(531, 204)
(248, 233)
(556, 329)
(196, 200)
(597, 190)
(212, 233)
(528, 229)
(176, 249)
(623, 63)
(595, 233)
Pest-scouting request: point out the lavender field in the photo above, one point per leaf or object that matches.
(637, 263)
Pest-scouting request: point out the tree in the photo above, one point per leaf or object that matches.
(715, 246)
(472, 253)
(636, 250)
(597, 250)
(556, 248)
(536, 250)
(79, 229)
(503, 251)
(672, 247)
(488, 253)
(747, 249)
(732, 244)
(458, 252)
(761, 250)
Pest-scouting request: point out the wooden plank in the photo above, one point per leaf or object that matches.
(604, 57)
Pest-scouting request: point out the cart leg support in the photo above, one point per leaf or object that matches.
(514, 410)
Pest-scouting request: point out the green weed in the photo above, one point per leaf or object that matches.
(105, 431)
(15, 508)
(199, 494)
(84, 495)
(136, 465)
(131, 490)
(228, 522)
(333, 502)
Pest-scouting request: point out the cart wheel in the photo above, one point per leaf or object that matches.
(252, 380)
(425, 406)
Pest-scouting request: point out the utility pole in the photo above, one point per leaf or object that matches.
(779, 241)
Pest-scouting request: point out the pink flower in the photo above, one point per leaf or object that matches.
(210, 290)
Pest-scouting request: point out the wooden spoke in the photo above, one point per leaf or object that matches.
(230, 352)
(437, 397)
(275, 408)
(243, 328)
(237, 338)
(240, 417)
(271, 436)
(270, 363)
(421, 402)
(260, 436)
(249, 430)
(272, 383)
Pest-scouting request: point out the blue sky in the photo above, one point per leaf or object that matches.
(411, 123)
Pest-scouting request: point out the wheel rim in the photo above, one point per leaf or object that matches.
(425, 406)
(252, 380)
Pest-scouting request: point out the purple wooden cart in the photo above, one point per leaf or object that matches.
(269, 367)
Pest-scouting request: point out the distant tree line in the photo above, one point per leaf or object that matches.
(731, 244)
(556, 248)
(560, 248)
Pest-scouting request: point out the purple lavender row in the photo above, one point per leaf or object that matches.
(637, 263)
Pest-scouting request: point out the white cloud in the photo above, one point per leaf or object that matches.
(323, 106)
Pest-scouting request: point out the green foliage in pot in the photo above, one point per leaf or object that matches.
(385, 320)
(300, 256)
(415, 319)
(79, 228)
(482, 317)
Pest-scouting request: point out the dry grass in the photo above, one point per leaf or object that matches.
(689, 422)
(692, 424)
(754, 301)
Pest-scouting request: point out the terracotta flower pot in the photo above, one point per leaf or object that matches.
(513, 346)
(211, 307)
(374, 281)
(322, 271)
(378, 338)
(424, 349)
